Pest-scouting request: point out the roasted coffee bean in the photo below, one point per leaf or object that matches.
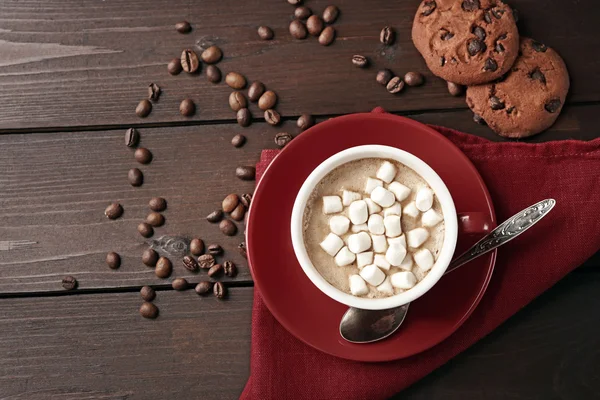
(256, 90)
(187, 108)
(155, 219)
(132, 137)
(238, 213)
(553, 105)
(212, 55)
(478, 119)
(387, 35)
(237, 101)
(314, 25)
(267, 100)
(142, 155)
(235, 80)
(490, 65)
(359, 61)
(243, 116)
(298, 30)
(215, 216)
(206, 261)
(305, 121)
(454, 89)
(294, 2)
(203, 287)
(113, 260)
(496, 103)
(147, 293)
(479, 32)
(238, 140)
(145, 229)
(213, 74)
(157, 204)
(148, 310)
(163, 268)
(215, 250)
(154, 92)
(539, 47)
(265, 33)
(384, 76)
(174, 66)
(227, 227)
(143, 108)
(114, 211)
(189, 263)
(189, 61)
(272, 117)
(446, 35)
(242, 249)
(219, 290)
(538, 75)
(428, 7)
(196, 246)
(135, 176)
(327, 36)
(215, 270)
(475, 46)
(330, 14)
(179, 284)
(230, 202)
(470, 5)
(414, 79)
(395, 85)
(230, 269)
(245, 173)
(183, 27)
(150, 257)
(246, 199)
(283, 138)
(69, 283)
(302, 12)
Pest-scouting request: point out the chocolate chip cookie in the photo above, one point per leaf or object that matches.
(467, 42)
(528, 99)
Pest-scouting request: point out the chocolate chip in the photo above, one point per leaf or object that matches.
(475, 46)
(496, 103)
(499, 48)
(490, 65)
(537, 75)
(479, 32)
(487, 17)
(497, 12)
(442, 61)
(539, 47)
(553, 105)
(478, 119)
(470, 5)
(515, 13)
(428, 7)
(446, 35)
(215, 216)
(509, 110)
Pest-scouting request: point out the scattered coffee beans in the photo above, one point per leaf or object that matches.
(238, 140)
(245, 173)
(183, 27)
(142, 155)
(265, 33)
(163, 268)
(243, 116)
(267, 100)
(227, 227)
(148, 310)
(212, 55)
(145, 229)
(314, 25)
(155, 219)
(147, 293)
(135, 176)
(283, 138)
(454, 89)
(256, 90)
(305, 121)
(189, 61)
(157, 204)
(414, 79)
(215, 250)
(230, 269)
(150, 257)
(113, 260)
(143, 108)
(189, 263)
(302, 12)
(395, 85)
(132, 137)
(154, 92)
(384, 76)
(360, 61)
(215, 270)
(203, 287)
(69, 283)
(196, 246)
(238, 213)
(235, 80)
(327, 36)
(242, 249)
(272, 117)
(298, 30)
(246, 199)
(179, 284)
(114, 211)
(237, 101)
(219, 290)
(206, 261)
(215, 216)
(330, 14)
(213, 74)
(230, 202)
(174, 66)
(187, 108)
(387, 35)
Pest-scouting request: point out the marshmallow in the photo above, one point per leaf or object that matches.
(383, 197)
(364, 258)
(386, 287)
(403, 280)
(376, 224)
(344, 257)
(381, 262)
(373, 275)
(359, 242)
(407, 263)
(417, 237)
(401, 240)
(358, 212)
(339, 224)
(372, 206)
(359, 228)
(392, 226)
(424, 259)
(372, 183)
(358, 286)
(430, 218)
(379, 243)
(348, 197)
(332, 204)
(400, 191)
(424, 199)
(395, 254)
(395, 209)
(386, 172)
(411, 210)
(332, 244)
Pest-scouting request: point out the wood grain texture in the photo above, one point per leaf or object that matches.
(84, 62)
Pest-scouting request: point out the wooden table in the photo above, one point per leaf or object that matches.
(71, 74)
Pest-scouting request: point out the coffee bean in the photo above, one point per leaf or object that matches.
(302, 12)
(256, 90)
(69, 283)
(428, 8)
(215, 216)
(155, 219)
(395, 85)
(330, 14)
(538, 75)
(135, 176)
(294, 2)
(206, 261)
(283, 138)
(213, 74)
(163, 268)
(215, 270)
(479, 32)
(148, 310)
(414, 79)
(157, 204)
(245, 173)
(242, 249)
(446, 35)
(179, 284)
(387, 35)
(327, 36)
(235, 80)
(496, 103)
(212, 55)
(267, 100)
(143, 108)
(114, 211)
(238, 140)
(246, 199)
(475, 46)
(490, 65)
(272, 117)
(150, 257)
(314, 25)
(187, 108)
(147, 293)
(539, 47)
(243, 116)
(145, 229)
(174, 66)
(478, 119)
(203, 287)
(238, 213)
(142, 155)
(227, 227)
(189, 61)
(219, 290)
(183, 27)
(113, 260)
(359, 61)
(553, 105)
(237, 101)
(265, 33)
(230, 202)
(196, 246)
(298, 30)
(454, 89)
(470, 5)
(154, 92)
(305, 121)
(230, 269)
(189, 263)
(384, 76)
(215, 250)
(132, 137)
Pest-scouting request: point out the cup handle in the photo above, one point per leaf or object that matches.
(474, 222)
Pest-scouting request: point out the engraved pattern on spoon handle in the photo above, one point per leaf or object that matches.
(505, 232)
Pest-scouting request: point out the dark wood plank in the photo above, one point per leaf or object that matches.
(82, 63)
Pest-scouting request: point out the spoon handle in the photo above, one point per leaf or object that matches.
(505, 232)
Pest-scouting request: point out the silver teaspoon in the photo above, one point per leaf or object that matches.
(367, 326)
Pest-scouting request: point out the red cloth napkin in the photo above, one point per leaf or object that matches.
(517, 175)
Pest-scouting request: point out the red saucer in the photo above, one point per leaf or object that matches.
(305, 311)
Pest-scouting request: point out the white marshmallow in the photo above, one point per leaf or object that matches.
(358, 286)
(407, 263)
(332, 244)
(392, 226)
(400, 191)
(403, 280)
(358, 212)
(348, 197)
(339, 224)
(372, 206)
(359, 242)
(382, 196)
(386, 172)
(424, 199)
(424, 259)
(411, 210)
(359, 228)
(376, 224)
(344, 257)
(395, 209)
(379, 243)
(386, 287)
(395, 255)
(417, 237)
(373, 275)
(332, 204)
(372, 183)
(401, 240)
(381, 262)
(430, 218)
(364, 258)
